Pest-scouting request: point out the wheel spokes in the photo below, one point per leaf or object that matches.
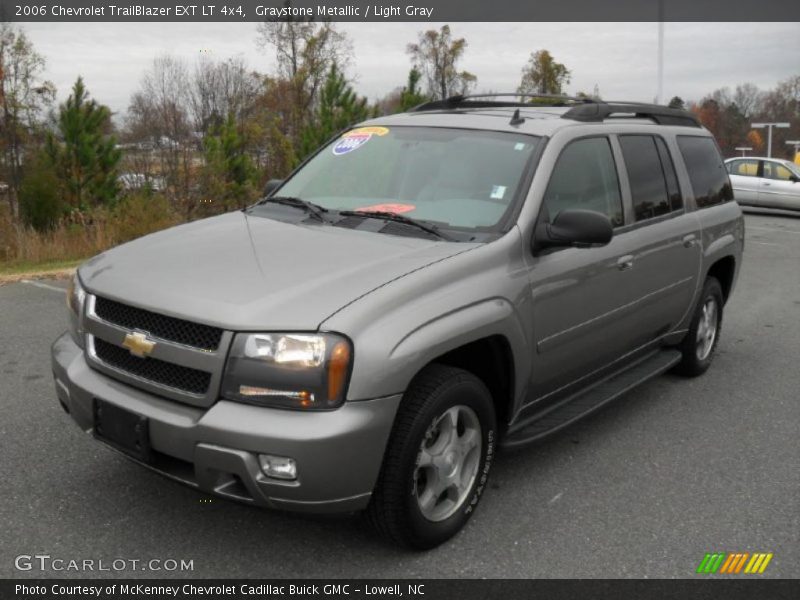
(447, 462)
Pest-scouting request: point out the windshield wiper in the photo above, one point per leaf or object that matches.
(314, 210)
(390, 216)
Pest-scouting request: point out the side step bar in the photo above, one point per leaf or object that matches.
(575, 407)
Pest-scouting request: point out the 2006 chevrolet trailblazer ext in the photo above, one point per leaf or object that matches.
(430, 286)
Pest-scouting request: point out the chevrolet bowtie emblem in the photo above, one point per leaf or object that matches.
(138, 344)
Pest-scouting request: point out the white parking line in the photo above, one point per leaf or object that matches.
(45, 286)
(749, 227)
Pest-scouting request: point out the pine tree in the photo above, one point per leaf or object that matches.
(677, 102)
(83, 154)
(229, 174)
(339, 108)
(40, 203)
(412, 95)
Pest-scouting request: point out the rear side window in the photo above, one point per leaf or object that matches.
(673, 189)
(706, 170)
(654, 187)
(743, 168)
(585, 177)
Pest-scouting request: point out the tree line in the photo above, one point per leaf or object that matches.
(204, 137)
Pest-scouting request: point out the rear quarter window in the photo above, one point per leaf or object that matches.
(706, 170)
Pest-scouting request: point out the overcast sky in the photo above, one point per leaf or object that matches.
(619, 57)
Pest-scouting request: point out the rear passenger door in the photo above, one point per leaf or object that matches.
(666, 259)
(746, 179)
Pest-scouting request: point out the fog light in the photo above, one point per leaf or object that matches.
(278, 467)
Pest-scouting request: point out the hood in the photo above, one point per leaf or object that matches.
(244, 272)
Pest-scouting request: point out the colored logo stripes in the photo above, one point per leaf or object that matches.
(734, 562)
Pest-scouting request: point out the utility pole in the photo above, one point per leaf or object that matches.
(744, 149)
(769, 127)
(660, 88)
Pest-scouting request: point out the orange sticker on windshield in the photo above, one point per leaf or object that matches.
(390, 207)
(367, 131)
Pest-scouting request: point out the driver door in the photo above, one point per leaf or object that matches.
(581, 296)
(778, 187)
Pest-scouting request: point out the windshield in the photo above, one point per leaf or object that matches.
(453, 178)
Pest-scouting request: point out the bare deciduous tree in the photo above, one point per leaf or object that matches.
(160, 113)
(436, 54)
(23, 98)
(748, 98)
(305, 51)
(221, 89)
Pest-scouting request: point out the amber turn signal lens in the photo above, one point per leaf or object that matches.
(337, 370)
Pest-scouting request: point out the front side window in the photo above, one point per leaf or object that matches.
(452, 178)
(777, 171)
(707, 172)
(585, 177)
(743, 168)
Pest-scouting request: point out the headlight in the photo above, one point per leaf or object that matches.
(288, 370)
(75, 300)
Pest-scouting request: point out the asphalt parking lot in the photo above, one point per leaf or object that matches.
(644, 488)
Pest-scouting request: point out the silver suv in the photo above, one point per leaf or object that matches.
(427, 288)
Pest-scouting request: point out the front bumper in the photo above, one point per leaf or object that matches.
(338, 453)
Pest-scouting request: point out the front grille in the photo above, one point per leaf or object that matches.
(152, 369)
(175, 330)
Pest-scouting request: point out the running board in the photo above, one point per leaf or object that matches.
(576, 407)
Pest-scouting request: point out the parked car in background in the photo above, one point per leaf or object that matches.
(138, 181)
(767, 182)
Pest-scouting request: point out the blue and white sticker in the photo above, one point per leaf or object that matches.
(350, 143)
(353, 140)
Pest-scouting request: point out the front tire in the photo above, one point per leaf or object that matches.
(700, 343)
(437, 461)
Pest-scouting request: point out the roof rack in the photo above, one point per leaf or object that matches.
(479, 101)
(599, 111)
(581, 109)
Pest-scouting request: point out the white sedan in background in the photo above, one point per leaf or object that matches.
(767, 182)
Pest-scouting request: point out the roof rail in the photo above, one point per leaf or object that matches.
(663, 115)
(480, 101)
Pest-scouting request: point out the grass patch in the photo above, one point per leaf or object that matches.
(17, 271)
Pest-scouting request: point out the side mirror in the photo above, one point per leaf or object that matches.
(574, 227)
(272, 185)
(794, 178)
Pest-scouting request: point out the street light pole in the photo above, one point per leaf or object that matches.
(660, 89)
(769, 127)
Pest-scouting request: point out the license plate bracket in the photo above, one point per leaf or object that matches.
(122, 429)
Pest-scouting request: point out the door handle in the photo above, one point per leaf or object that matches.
(625, 262)
(689, 240)
(766, 184)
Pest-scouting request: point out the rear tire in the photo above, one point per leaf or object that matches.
(700, 343)
(437, 460)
